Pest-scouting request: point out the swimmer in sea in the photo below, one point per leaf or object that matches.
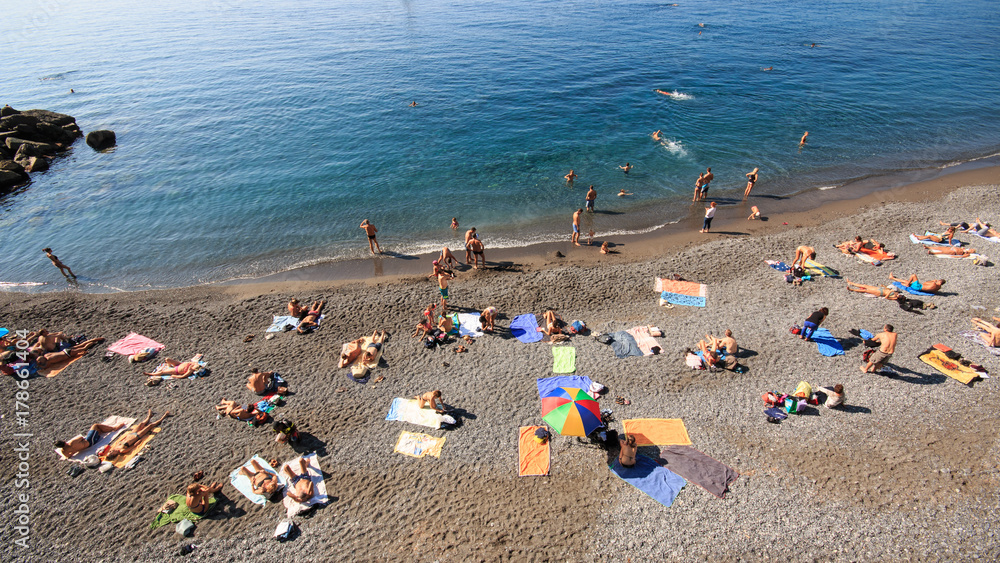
(768, 68)
(657, 136)
(626, 168)
(665, 93)
(570, 177)
(454, 223)
(413, 104)
(803, 140)
(623, 193)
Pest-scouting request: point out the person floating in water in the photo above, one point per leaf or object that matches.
(768, 68)
(623, 193)
(657, 136)
(413, 104)
(664, 92)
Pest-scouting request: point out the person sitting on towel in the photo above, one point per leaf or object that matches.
(423, 328)
(488, 318)
(300, 488)
(82, 442)
(553, 324)
(712, 359)
(296, 309)
(851, 246)
(68, 354)
(131, 439)
(913, 283)
(446, 325)
(239, 412)
(432, 399)
(628, 450)
(262, 481)
(266, 382)
(310, 322)
(727, 343)
(177, 369)
(199, 497)
(49, 342)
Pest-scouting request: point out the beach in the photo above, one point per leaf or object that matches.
(907, 471)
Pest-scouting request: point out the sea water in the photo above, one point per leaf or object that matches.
(255, 136)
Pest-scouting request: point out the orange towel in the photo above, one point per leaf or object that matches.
(533, 458)
(877, 254)
(658, 431)
(122, 460)
(693, 289)
(57, 369)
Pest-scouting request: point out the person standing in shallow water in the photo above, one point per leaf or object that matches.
(63, 268)
(751, 180)
(575, 239)
(370, 230)
(705, 182)
(591, 197)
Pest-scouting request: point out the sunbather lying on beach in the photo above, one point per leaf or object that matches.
(300, 488)
(371, 351)
(68, 354)
(199, 497)
(950, 251)
(488, 318)
(983, 229)
(432, 399)
(264, 382)
(262, 481)
(553, 324)
(81, 442)
(992, 335)
(948, 235)
(310, 322)
(177, 369)
(887, 291)
(912, 282)
(132, 438)
(234, 410)
(851, 246)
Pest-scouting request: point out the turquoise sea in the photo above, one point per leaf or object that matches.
(254, 136)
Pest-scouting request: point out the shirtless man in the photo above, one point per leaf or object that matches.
(488, 318)
(697, 186)
(81, 442)
(887, 345)
(992, 335)
(63, 268)
(591, 196)
(469, 235)
(132, 438)
(262, 481)
(912, 282)
(889, 292)
(68, 354)
(628, 450)
(370, 230)
(264, 382)
(300, 487)
(575, 239)
(448, 258)
(478, 253)
(432, 399)
(446, 325)
(802, 141)
(623, 193)
(950, 251)
(296, 309)
(706, 181)
(728, 343)
(657, 136)
(626, 168)
(570, 177)
(177, 369)
(852, 246)
(443, 278)
(310, 322)
(802, 254)
(48, 342)
(199, 497)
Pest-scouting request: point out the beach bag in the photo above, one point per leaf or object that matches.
(284, 531)
(430, 342)
(604, 338)
(185, 527)
(796, 329)
(142, 356)
(771, 399)
(741, 369)
(794, 405)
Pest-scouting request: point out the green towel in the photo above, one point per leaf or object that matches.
(564, 359)
(181, 512)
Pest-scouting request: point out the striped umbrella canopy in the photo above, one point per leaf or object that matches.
(571, 411)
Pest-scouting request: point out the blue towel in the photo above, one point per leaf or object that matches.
(681, 299)
(525, 328)
(865, 334)
(394, 409)
(776, 413)
(660, 483)
(910, 290)
(826, 343)
(780, 266)
(548, 384)
(624, 344)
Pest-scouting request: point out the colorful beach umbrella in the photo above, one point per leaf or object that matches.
(571, 411)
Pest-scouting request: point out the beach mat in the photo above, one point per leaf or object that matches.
(532, 457)
(667, 297)
(815, 269)
(876, 254)
(678, 287)
(57, 369)
(133, 344)
(469, 325)
(973, 335)
(563, 359)
(911, 291)
(777, 265)
(123, 460)
(414, 444)
(661, 484)
(700, 469)
(826, 344)
(939, 361)
(104, 441)
(319, 498)
(624, 344)
(406, 410)
(547, 385)
(991, 239)
(182, 512)
(525, 328)
(657, 431)
(242, 483)
(644, 340)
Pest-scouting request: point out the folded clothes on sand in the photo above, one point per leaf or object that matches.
(414, 444)
(547, 385)
(182, 512)
(700, 469)
(133, 344)
(406, 410)
(657, 431)
(532, 455)
(661, 484)
(319, 498)
(525, 328)
(242, 483)
(563, 359)
(624, 344)
(103, 441)
(826, 344)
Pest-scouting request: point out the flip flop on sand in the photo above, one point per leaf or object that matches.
(379, 378)
(248, 338)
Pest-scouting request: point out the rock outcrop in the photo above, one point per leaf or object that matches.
(100, 140)
(29, 140)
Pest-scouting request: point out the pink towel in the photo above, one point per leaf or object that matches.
(644, 340)
(133, 344)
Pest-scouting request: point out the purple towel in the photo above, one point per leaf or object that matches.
(699, 468)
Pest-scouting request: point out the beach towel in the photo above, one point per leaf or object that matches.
(693, 289)
(182, 512)
(826, 343)
(122, 460)
(319, 498)
(780, 266)
(54, 370)
(469, 325)
(700, 469)
(133, 344)
(644, 340)
(406, 410)
(563, 359)
(915, 240)
(939, 361)
(973, 335)
(911, 291)
(525, 328)
(776, 413)
(418, 445)
(657, 431)
(103, 441)
(814, 268)
(991, 239)
(242, 483)
(547, 385)
(667, 297)
(280, 321)
(532, 457)
(624, 345)
(876, 254)
(661, 484)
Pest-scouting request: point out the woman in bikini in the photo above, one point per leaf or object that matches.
(177, 369)
(887, 292)
(432, 399)
(553, 324)
(132, 438)
(68, 354)
(949, 234)
(199, 497)
(992, 335)
(311, 321)
(262, 481)
(237, 411)
(751, 180)
(300, 488)
(950, 251)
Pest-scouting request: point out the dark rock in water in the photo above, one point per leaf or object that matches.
(11, 166)
(100, 140)
(27, 140)
(51, 117)
(34, 163)
(37, 149)
(7, 110)
(10, 122)
(10, 179)
(57, 133)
